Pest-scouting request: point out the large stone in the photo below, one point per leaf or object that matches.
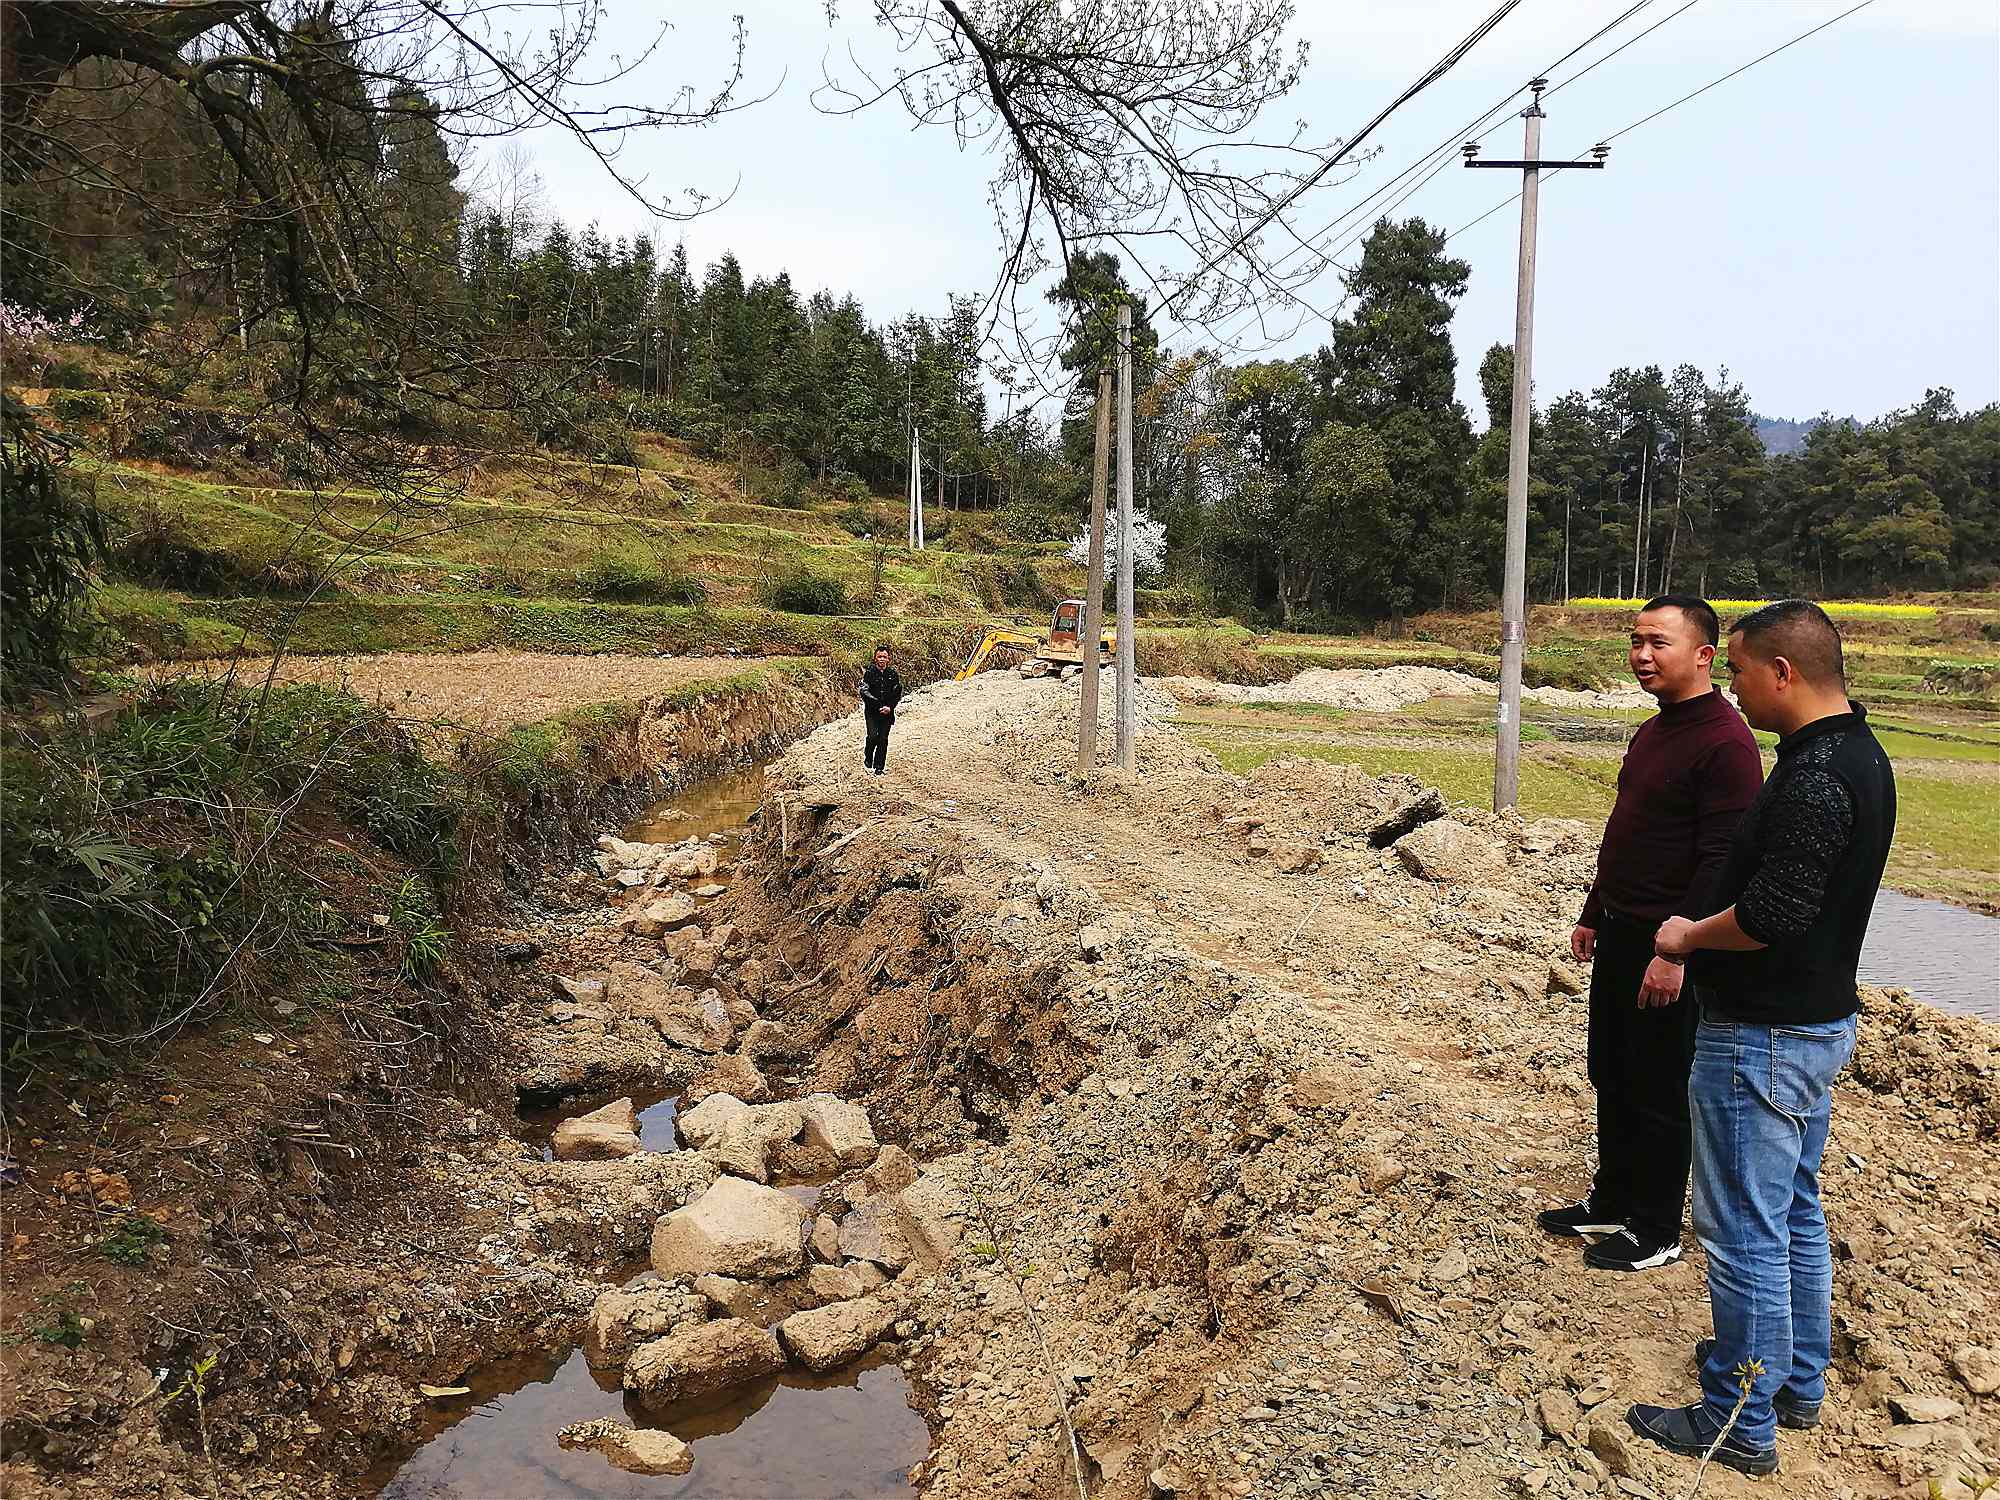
(874, 1232)
(829, 1337)
(695, 1361)
(699, 962)
(617, 854)
(735, 1076)
(587, 990)
(690, 864)
(1924, 1408)
(747, 1143)
(754, 1300)
(1297, 857)
(1978, 1368)
(636, 1450)
(621, 1320)
(703, 1124)
(836, 1283)
(1558, 1412)
(698, 1022)
(602, 1135)
(767, 1039)
(1409, 806)
(736, 1228)
(1449, 851)
(893, 1170)
(656, 917)
(933, 1210)
(839, 1127)
(824, 1241)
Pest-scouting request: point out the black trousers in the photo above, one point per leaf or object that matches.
(875, 754)
(1638, 1063)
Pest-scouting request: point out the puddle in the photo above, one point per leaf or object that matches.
(721, 804)
(656, 1108)
(1940, 953)
(847, 1436)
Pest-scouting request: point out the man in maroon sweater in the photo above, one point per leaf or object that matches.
(1689, 773)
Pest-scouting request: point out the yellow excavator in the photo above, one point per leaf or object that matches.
(1057, 650)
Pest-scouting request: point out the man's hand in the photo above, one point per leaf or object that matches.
(1582, 943)
(1662, 984)
(883, 709)
(1675, 939)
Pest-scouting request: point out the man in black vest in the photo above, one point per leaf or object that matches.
(1774, 971)
(881, 691)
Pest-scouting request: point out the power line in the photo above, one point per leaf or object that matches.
(1667, 108)
(1438, 69)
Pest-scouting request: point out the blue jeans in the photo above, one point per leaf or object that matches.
(1758, 1098)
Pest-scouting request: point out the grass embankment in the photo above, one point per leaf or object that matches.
(1948, 776)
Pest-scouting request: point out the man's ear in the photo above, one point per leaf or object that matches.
(1783, 670)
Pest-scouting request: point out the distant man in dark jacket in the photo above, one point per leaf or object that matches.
(1774, 972)
(881, 691)
(1689, 773)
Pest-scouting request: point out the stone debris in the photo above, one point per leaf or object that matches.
(621, 1319)
(835, 1126)
(736, 1228)
(602, 1135)
(829, 1337)
(636, 1450)
(708, 1357)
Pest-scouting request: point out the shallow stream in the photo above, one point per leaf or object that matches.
(1940, 953)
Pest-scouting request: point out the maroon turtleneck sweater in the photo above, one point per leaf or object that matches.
(1689, 773)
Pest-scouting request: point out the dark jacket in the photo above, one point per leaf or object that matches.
(880, 688)
(1802, 874)
(1689, 773)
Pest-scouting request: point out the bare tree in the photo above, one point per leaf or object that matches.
(1119, 122)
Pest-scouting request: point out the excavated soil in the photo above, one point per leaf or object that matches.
(1243, 1090)
(1386, 689)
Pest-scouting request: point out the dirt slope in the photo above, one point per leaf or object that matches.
(1261, 1149)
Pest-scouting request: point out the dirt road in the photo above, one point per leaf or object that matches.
(1273, 1142)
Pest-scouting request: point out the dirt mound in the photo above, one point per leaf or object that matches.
(1383, 690)
(1932, 1061)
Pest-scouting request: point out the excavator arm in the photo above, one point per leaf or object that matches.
(994, 638)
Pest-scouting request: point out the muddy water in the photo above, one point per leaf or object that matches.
(657, 1110)
(851, 1435)
(1940, 953)
(721, 804)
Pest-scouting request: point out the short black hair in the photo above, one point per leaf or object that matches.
(1695, 608)
(1801, 632)
(884, 647)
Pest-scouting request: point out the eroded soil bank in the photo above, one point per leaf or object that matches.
(1214, 1112)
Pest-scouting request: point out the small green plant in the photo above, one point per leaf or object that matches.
(425, 941)
(132, 1242)
(801, 591)
(631, 577)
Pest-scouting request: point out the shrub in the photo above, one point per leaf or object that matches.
(631, 577)
(857, 519)
(160, 545)
(801, 591)
(50, 532)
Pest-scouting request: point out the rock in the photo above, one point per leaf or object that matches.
(742, 1014)
(690, 864)
(747, 1142)
(1412, 805)
(1608, 1443)
(1924, 1408)
(656, 917)
(621, 1320)
(698, 962)
(698, 1022)
(894, 1170)
(1447, 850)
(1380, 1173)
(1563, 980)
(738, 1299)
(872, 1232)
(1558, 1413)
(767, 1039)
(589, 990)
(824, 1241)
(839, 1127)
(636, 1450)
(1448, 1267)
(829, 1283)
(1979, 1368)
(711, 1357)
(933, 1210)
(602, 1135)
(1297, 857)
(736, 1228)
(735, 1076)
(617, 854)
(630, 879)
(830, 1337)
(1170, 1481)
(1093, 942)
(710, 892)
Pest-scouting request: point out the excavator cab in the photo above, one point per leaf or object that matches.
(1059, 649)
(1066, 622)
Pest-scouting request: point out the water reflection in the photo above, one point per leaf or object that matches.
(657, 1109)
(721, 804)
(847, 1436)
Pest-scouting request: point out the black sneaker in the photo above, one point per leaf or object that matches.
(1800, 1416)
(1578, 1218)
(1691, 1431)
(1632, 1250)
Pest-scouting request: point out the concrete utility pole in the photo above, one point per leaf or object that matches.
(1514, 576)
(1093, 592)
(1128, 707)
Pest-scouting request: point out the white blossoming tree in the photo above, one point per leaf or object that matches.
(1149, 549)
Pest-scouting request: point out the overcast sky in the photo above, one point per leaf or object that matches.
(1827, 226)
